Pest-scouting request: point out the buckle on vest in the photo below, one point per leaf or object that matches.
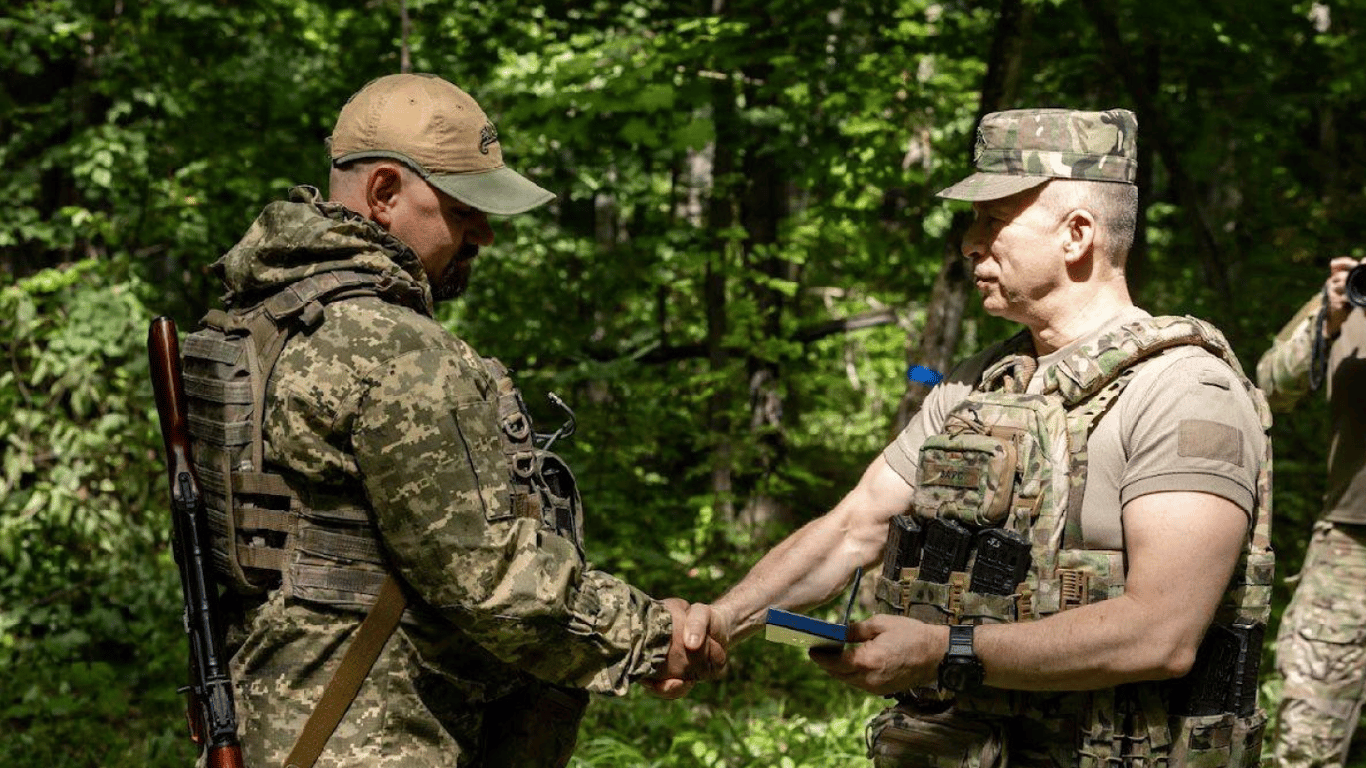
(524, 464)
(311, 315)
(1073, 588)
(1024, 602)
(517, 426)
(958, 584)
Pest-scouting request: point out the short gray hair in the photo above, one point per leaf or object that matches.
(1115, 207)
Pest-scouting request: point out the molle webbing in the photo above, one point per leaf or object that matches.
(543, 488)
(516, 432)
(1047, 435)
(264, 535)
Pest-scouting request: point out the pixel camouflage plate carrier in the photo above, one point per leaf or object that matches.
(265, 537)
(1008, 471)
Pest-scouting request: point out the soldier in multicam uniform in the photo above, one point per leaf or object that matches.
(356, 456)
(1321, 646)
(1087, 502)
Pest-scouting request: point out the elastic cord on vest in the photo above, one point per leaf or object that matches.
(1318, 364)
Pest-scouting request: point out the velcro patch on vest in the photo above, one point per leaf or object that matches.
(1197, 438)
(952, 475)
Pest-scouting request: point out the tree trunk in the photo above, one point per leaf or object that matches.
(943, 329)
(1136, 266)
(763, 207)
(721, 215)
(405, 64)
(1159, 132)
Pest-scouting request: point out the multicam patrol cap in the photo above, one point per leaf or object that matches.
(439, 131)
(1023, 148)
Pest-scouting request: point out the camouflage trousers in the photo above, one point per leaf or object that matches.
(1125, 727)
(407, 713)
(1321, 651)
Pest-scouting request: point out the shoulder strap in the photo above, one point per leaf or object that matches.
(365, 647)
(1009, 366)
(1093, 366)
(271, 322)
(1092, 380)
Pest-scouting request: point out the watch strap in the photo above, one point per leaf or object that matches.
(960, 641)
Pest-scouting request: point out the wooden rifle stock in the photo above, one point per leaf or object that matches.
(212, 714)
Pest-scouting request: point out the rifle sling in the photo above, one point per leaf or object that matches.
(360, 656)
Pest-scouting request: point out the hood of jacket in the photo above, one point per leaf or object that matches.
(304, 236)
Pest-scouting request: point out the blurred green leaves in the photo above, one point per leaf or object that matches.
(730, 178)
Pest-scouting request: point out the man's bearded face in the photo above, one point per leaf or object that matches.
(456, 277)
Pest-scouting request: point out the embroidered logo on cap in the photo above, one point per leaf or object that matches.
(487, 135)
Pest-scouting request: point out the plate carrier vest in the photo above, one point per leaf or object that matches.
(317, 547)
(1018, 462)
(323, 547)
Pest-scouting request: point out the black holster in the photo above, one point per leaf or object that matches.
(536, 726)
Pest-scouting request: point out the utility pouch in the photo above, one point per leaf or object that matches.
(1224, 740)
(534, 727)
(904, 737)
(966, 476)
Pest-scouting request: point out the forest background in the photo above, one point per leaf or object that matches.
(745, 256)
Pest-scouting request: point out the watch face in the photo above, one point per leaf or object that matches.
(960, 675)
(960, 670)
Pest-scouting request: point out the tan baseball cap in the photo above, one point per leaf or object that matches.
(440, 132)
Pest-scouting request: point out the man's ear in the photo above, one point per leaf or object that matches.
(1079, 235)
(383, 186)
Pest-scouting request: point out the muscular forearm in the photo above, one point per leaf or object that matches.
(807, 568)
(813, 564)
(1095, 646)
(1085, 648)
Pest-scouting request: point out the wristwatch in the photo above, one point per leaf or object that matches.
(960, 670)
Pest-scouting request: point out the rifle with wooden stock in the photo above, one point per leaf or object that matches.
(210, 709)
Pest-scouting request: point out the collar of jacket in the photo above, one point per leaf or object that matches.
(306, 235)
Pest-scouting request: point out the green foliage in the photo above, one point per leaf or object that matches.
(735, 723)
(729, 181)
(88, 595)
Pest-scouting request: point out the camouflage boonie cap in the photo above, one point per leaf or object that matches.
(1023, 148)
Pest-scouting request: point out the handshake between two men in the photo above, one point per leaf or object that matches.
(885, 654)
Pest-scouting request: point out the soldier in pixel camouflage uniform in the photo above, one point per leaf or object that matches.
(1321, 646)
(349, 445)
(1086, 504)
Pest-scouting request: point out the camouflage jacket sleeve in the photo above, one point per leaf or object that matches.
(426, 442)
(1283, 371)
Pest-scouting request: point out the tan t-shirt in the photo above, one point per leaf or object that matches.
(1184, 423)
